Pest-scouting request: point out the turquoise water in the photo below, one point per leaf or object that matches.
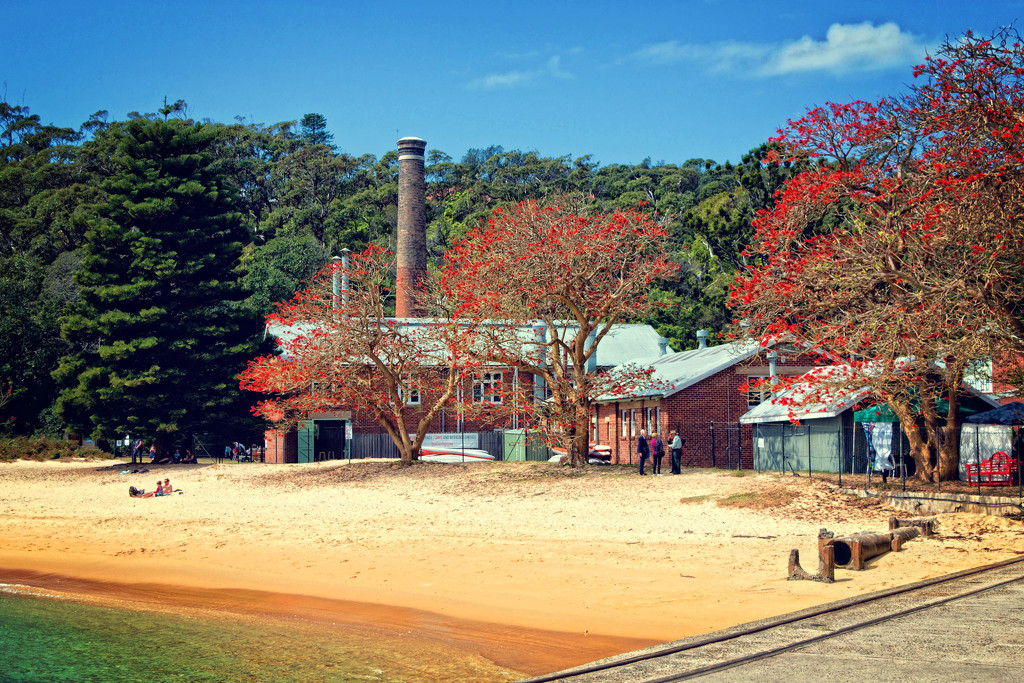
(46, 639)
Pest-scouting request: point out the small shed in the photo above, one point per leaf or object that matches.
(819, 435)
(992, 431)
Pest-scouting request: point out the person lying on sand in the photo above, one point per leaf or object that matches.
(136, 493)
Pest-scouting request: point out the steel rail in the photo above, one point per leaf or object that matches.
(797, 617)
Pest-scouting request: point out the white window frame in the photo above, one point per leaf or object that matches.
(654, 420)
(487, 387)
(415, 397)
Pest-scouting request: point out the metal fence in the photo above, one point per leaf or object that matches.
(218, 447)
(806, 449)
(725, 445)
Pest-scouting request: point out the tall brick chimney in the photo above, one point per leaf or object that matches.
(412, 225)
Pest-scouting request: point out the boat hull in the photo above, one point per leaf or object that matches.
(455, 455)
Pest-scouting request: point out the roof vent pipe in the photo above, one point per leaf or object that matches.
(344, 274)
(702, 339)
(591, 344)
(771, 369)
(662, 346)
(337, 266)
(540, 339)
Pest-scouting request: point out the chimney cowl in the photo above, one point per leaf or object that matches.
(702, 339)
(411, 148)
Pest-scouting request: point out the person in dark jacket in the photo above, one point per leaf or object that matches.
(643, 449)
(657, 453)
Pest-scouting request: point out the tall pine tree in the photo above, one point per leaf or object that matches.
(160, 331)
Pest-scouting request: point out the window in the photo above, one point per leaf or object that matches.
(323, 388)
(625, 422)
(487, 387)
(632, 423)
(410, 386)
(756, 395)
(653, 420)
(978, 375)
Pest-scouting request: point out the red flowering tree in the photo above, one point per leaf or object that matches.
(544, 283)
(340, 348)
(899, 251)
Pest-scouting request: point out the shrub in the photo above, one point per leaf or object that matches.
(43, 448)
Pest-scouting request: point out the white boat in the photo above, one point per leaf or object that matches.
(454, 455)
(598, 454)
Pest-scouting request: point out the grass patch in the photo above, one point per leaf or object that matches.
(694, 499)
(764, 499)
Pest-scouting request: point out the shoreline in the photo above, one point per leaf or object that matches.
(533, 567)
(525, 650)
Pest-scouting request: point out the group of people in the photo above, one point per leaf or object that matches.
(237, 451)
(188, 459)
(655, 450)
(138, 446)
(163, 488)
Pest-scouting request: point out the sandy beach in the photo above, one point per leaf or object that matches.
(531, 566)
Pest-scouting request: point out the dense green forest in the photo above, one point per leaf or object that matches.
(160, 232)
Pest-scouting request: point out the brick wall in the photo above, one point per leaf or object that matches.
(447, 419)
(281, 447)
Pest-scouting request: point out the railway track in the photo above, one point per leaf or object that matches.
(842, 627)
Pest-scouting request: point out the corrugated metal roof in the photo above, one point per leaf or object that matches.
(674, 372)
(781, 408)
(787, 405)
(626, 342)
(623, 343)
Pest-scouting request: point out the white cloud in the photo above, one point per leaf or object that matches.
(509, 79)
(552, 68)
(847, 48)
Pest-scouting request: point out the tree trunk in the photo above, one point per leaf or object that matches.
(579, 449)
(919, 447)
(949, 443)
(935, 447)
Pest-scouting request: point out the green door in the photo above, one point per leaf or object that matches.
(515, 444)
(307, 434)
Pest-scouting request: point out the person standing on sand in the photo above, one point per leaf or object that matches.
(643, 449)
(676, 445)
(657, 453)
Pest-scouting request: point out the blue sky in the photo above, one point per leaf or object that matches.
(621, 81)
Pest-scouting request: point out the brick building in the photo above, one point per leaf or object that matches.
(698, 395)
(345, 433)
